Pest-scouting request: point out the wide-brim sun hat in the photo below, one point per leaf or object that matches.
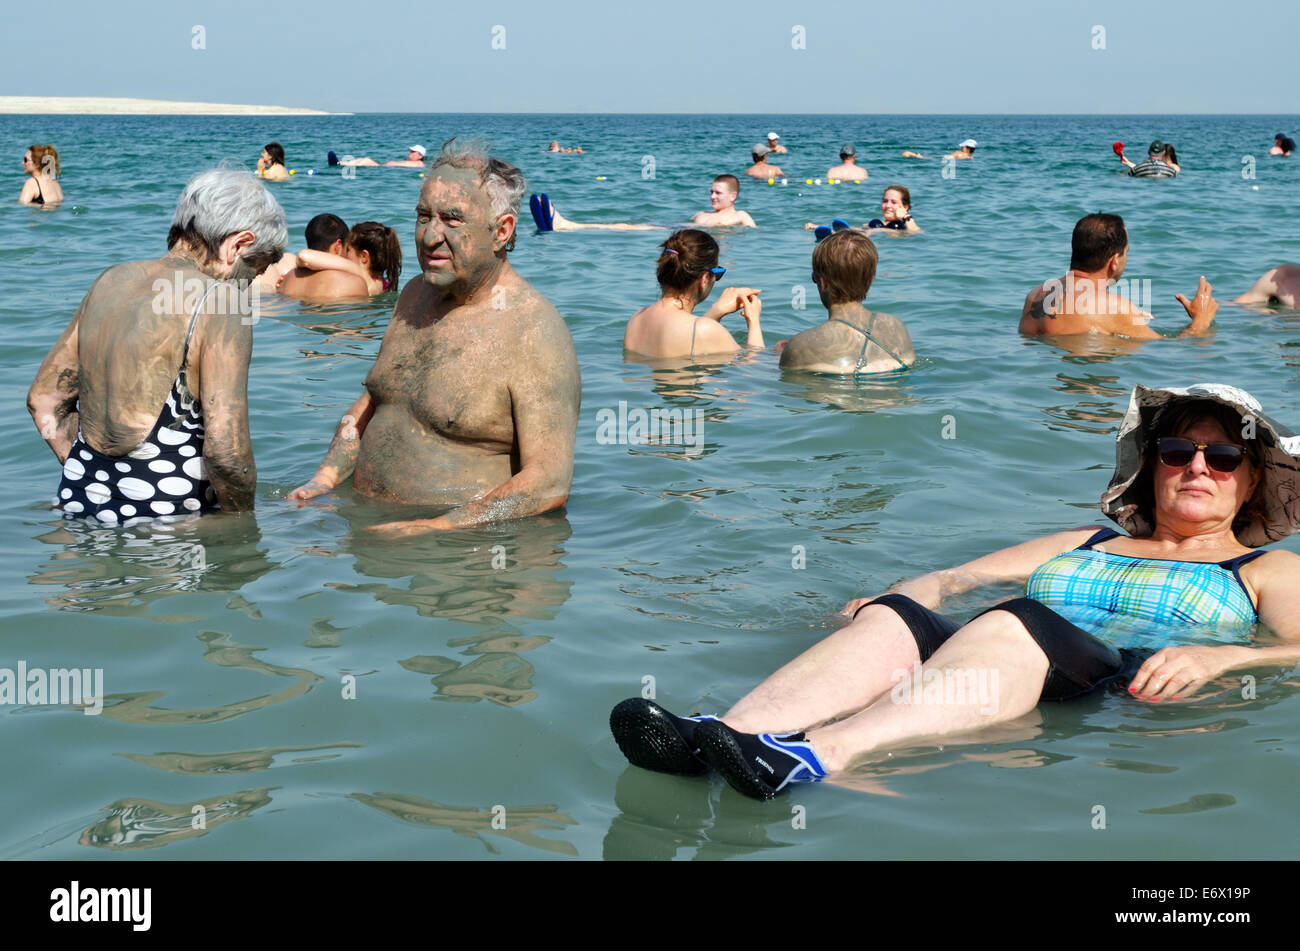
(1278, 513)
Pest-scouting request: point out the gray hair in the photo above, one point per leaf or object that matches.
(759, 151)
(505, 185)
(221, 201)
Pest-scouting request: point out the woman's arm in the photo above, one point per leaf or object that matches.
(1177, 672)
(29, 191)
(324, 261)
(52, 399)
(1010, 564)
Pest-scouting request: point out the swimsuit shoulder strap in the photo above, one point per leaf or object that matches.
(194, 319)
(695, 324)
(1234, 565)
(869, 339)
(1105, 535)
(37, 180)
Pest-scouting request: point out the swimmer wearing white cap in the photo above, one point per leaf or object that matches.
(964, 151)
(774, 144)
(414, 159)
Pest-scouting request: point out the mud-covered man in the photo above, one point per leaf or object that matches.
(473, 400)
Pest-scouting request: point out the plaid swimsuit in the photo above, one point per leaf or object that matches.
(1090, 588)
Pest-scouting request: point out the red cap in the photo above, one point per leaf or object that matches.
(1119, 148)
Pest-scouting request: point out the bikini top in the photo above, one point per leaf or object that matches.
(898, 224)
(868, 339)
(40, 196)
(1090, 586)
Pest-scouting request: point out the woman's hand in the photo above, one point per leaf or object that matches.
(1173, 673)
(731, 300)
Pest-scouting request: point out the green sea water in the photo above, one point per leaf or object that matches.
(230, 647)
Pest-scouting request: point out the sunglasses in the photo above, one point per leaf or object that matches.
(718, 271)
(1177, 453)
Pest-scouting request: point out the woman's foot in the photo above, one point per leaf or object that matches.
(653, 738)
(758, 765)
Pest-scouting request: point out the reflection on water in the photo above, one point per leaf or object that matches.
(516, 823)
(498, 674)
(872, 393)
(243, 761)
(1101, 415)
(660, 816)
(146, 824)
(121, 571)
(502, 574)
(138, 707)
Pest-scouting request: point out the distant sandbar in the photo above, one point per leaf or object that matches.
(91, 105)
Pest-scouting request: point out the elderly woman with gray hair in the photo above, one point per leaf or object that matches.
(144, 403)
(1201, 477)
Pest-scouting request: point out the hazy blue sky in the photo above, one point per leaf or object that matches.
(944, 56)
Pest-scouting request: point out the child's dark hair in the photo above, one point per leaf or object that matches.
(686, 256)
(384, 247)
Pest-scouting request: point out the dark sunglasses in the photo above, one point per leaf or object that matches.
(718, 271)
(1177, 453)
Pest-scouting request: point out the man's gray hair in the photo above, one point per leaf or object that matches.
(221, 201)
(505, 185)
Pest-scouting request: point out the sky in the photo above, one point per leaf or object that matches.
(763, 56)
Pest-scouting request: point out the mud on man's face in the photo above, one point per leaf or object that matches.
(455, 231)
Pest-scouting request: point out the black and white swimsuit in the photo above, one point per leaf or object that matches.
(164, 476)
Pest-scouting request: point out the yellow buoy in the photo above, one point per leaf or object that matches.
(771, 181)
(807, 181)
(291, 171)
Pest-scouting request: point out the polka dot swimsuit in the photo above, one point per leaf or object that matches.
(164, 476)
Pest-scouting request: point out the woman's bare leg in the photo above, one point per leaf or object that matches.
(989, 672)
(838, 675)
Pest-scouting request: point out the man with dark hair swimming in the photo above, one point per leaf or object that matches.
(1082, 301)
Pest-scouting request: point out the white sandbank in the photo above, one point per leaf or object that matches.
(92, 105)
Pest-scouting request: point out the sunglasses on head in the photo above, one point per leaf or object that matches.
(1178, 453)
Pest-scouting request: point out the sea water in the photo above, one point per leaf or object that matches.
(287, 685)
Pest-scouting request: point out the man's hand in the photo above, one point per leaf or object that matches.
(1173, 673)
(1202, 308)
(318, 485)
(421, 526)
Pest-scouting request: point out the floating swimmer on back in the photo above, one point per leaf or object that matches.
(896, 209)
(853, 339)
